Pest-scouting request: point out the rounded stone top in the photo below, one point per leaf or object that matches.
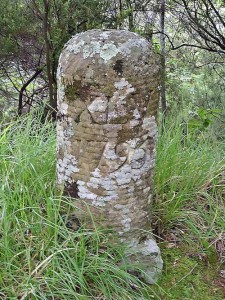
(107, 44)
(107, 53)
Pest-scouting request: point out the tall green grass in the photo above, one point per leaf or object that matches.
(40, 257)
(190, 181)
(189, 212)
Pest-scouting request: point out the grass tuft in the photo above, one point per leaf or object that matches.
(188, 167)
(40, 257)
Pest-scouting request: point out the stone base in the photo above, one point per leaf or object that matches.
(147, 255)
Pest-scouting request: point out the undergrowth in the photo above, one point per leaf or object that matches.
(189, 212)
(189, 182)
(41, 258)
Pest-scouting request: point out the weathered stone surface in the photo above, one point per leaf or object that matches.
(108, 91)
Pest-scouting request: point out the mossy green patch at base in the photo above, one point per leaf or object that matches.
(187, 275)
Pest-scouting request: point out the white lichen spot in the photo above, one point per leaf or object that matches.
(91, 49)
(118, 102)
(147, 250)
(133, 143)
(96, 173)
(104, 35)
(137, 117)
(136, 114)
(74, 47)
(66, 167)
(108, 51)
(137, 159)
(92, 185)
(149, 198)
(121, 84)
(123, 176)
(123, 208)
(63, 108)
(109, 152)
(126, 224)
(131, 189)
(104, 183)
(69, 130)
(119, 206)
(59, 69)
(126, 48)
(149, 124)
(60, 93)
(146, 190)
(99, 104)
(109, 185)
(134, 123)
(133, 242)
(105, 51)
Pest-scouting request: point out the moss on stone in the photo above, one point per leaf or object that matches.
(72, 90)
(189, 273)
(107, 89)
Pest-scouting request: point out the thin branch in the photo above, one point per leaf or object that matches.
(20, 105)
(216, 12)
(7, 75)
(210, 63)
(202, 22)
(189, 45)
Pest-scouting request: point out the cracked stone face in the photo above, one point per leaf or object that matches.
(108, 92)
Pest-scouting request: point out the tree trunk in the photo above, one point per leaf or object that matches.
(150, 18)
(130, 16)
(49, 58)
(163, 62)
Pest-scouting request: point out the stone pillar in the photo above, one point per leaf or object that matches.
(108, 92)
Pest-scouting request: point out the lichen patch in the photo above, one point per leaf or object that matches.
(105, 51)
(75, 48)
(66, 167)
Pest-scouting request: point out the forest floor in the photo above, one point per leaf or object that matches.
(190, 272)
